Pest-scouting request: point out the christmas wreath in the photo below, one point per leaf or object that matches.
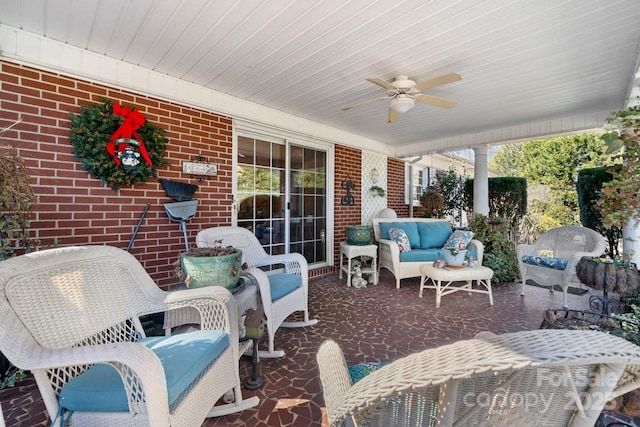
(117, 144)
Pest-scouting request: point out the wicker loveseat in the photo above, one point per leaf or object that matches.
(530, 378)
(552, 258)
(426, 247)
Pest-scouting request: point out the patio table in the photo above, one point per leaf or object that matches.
(452, 277)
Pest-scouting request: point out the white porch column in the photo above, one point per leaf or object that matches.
(631, 233)
(631, 240)
(480, 181)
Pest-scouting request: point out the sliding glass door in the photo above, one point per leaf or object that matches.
(282, 196)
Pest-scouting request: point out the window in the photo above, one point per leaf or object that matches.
(419, 181)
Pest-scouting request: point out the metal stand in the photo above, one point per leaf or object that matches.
(595, 302)
(255, 381)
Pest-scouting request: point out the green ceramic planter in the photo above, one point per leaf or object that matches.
(359, 235)
(222, 270)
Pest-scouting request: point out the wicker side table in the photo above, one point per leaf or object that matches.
(353, 251)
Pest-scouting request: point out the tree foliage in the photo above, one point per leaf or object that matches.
(550, 167)
(507, 198)
(506, 161)
(589, 187)
(620, 200)
(16, 198)
(451, 185)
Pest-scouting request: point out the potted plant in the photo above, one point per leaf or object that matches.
(432, 202)
(455, 256)
(377, 191)
(210, 266)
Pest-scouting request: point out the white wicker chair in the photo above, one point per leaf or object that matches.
(255, 256)
(570, 243)
(64, 310)
(532, 378)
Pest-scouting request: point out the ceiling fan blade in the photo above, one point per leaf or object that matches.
(360, 104)
(382, 83)
(435, 101)
(443, 79)
(393, 116)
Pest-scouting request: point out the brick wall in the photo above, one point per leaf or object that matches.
(348, 166)
(395, 187)
(74, 208)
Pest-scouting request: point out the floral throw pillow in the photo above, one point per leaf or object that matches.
(400, 237)
(546, 261)
(459, 239)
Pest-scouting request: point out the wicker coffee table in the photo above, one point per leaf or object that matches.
(450, 276)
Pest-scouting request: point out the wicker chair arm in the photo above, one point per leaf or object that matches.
(294, 263)
(216, 306)
(391, 247)
(419, 373)
(263, 282)
(334, 374)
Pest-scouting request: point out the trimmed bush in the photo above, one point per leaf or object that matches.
(507, 198)
(589, 186)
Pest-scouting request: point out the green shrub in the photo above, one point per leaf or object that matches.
(589, 186)
(507, 198)
(500, 252)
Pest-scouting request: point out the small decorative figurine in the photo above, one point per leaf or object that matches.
(357, 281)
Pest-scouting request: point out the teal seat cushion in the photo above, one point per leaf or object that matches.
(183, 356)
(361, 370)
(419, 255)
(409, 227)
(283, 284)
(434, 234)
(424, 255)
(99, 389)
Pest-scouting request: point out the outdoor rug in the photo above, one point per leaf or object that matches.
(572, 290)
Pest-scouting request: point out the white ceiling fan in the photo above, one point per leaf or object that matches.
(404, 93)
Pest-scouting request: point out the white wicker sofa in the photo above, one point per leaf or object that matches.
(433, 234)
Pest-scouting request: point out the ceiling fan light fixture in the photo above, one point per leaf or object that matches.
(402, 104)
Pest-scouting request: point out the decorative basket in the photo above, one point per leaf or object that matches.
(359, 235)
(221, 270)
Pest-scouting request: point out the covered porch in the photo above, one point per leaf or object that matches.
(371, 324)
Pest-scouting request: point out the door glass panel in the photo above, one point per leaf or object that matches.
(262, 168)
(308, 201)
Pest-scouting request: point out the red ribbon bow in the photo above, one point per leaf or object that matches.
(132, 121)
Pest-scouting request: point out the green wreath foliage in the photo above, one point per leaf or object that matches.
(91, 132)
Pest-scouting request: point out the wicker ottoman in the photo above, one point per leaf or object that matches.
(433, 278)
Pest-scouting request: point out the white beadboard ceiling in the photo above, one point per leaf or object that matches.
(522, 62)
